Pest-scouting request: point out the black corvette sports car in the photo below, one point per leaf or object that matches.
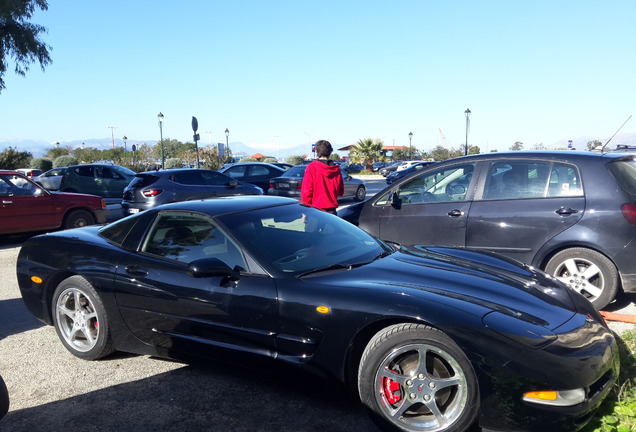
(431, 339)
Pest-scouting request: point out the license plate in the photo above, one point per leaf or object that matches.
(283, 186)
(133, 211)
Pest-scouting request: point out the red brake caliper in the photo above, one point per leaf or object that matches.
(392, 390)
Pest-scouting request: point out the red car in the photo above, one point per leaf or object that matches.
(26, 207)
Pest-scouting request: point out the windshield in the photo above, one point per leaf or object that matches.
(294, 239)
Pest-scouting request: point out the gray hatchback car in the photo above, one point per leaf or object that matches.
(572, 214)
(152, 188)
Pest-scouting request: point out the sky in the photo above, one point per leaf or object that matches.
(284, 73)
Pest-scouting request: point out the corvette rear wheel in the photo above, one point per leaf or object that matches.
(80, 319)
(587, 272)
(414, 378)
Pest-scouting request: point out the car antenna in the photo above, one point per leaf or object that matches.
(603, 148)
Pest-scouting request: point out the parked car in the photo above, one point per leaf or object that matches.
(27, 207)
(29, 172)
(407, 164)
(389, 169)
(104, 180)
(256, 173)
(283, 165)
(153, 188)
(445, 337)
(51, 179)
(397, 175)
(289, 184)
(352, 168)
(377, 166)
(572, 214)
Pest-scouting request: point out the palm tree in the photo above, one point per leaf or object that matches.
(367, 151)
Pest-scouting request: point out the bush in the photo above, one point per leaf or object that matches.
(173, 163)
(294, 160)
(248, 159)
(269, 160)
(43, 164)
(64, 161)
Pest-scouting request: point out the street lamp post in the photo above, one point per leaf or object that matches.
(125, 138)
(227, 144)
(160, 117)
(467, 112)
(410, 146)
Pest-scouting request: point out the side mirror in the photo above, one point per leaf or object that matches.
(210, 267)
(232, 183)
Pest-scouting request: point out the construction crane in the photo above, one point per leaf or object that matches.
(443, 139)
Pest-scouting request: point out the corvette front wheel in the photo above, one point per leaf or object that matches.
(414, 378)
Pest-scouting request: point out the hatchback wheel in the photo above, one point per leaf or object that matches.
(78, 218)
(361, 193)
(414, 378)
(587, 272)
(80, 319)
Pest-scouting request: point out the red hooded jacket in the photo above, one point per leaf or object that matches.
(322, 185)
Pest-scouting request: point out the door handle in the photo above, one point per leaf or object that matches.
(4, 202)
(566, 211)
(455, 213)
(136, 270)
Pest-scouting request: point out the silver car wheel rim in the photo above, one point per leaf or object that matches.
(77, 319)
(421, 388)
(582, 276)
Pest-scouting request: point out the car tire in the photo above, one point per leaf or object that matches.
(78, 219)
(587, 272)
(398, 388)
(80, 319)
(361, 193)
(4, 398)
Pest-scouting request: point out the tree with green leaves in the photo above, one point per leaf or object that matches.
(20, 39)
(367, 151)
(518, 145)
(11, 158)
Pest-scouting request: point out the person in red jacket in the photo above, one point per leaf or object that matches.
(322, 184)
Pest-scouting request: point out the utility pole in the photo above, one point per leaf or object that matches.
(112, 133)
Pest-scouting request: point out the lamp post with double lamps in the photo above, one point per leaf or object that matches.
(160, 117)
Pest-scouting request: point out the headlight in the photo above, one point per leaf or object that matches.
(555, 397)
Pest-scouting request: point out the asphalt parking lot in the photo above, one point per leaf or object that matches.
(51, 390)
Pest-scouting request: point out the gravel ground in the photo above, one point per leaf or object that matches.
(51, 390)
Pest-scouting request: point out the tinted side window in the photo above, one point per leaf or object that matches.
(258, 170)
(213, 178)
(531, 179)
(84, 171)
(188, 178)
(187, 237)
(236, 172)
(440, 185)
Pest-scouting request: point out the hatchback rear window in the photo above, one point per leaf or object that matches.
(143, 180)
(625, 173)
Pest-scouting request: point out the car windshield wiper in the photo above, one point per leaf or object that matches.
(336, 266)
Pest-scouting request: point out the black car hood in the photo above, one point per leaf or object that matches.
(489, 282)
